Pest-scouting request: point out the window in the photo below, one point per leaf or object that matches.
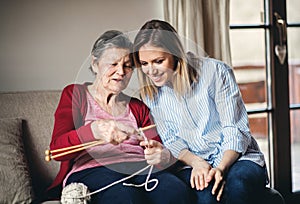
(293, 42)
(270, 89)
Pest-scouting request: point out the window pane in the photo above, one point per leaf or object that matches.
(259, 130)
(247, 46)
(259, 125)
(241, 14)
(295, 141)
(294, 64)
(248, 59)
(292, 8)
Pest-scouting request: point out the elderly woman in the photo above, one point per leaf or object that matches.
(100, 111)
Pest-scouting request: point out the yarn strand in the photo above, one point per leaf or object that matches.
(146, 182)
(125, 184)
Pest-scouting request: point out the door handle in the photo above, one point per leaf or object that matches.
(280, 49)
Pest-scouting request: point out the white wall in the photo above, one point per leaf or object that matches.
(44, 43)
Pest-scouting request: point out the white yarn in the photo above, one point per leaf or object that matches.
(146, 182)
(77, 193)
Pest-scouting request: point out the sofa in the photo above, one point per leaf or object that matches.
(26, 122)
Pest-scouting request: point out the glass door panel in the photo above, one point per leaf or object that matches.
(292, 11)
(259, 130)
(294, 64)
(248, 59)
(294, 94)
(295, 149)
(241, 14)
(247, 47)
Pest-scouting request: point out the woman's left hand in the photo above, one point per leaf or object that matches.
(155, 152)
(216, 174)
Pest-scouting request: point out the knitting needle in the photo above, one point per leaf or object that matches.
(79, 148)
(48, 152)
(83, 146)
(146, 128)
(141, 132)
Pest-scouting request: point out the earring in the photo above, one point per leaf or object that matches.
(94, 68)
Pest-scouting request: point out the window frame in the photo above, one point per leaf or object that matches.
(278, 104)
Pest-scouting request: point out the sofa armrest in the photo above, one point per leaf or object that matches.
(272, 196)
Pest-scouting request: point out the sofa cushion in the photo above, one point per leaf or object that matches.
(15, 182)
(36, 108)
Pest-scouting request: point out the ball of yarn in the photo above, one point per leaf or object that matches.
(75, 193)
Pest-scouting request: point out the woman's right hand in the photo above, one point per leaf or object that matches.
(111, 131)
(199, 174)
(156, 153)
(200, 169)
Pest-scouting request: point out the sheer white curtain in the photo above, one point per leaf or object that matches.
(204, 22)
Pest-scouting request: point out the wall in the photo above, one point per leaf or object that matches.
(44, 44)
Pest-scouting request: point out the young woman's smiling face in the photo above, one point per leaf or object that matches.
(157, 64)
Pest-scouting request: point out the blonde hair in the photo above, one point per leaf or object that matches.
(162, 35)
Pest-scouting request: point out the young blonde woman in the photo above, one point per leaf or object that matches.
(200, 117)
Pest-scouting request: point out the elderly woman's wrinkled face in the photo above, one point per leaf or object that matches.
(114, 69)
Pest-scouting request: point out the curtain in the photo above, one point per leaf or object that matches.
(204, 25)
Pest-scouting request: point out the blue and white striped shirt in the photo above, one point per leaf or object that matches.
(209, 120)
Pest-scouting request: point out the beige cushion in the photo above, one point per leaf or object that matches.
(36, 108)
(15, 182)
